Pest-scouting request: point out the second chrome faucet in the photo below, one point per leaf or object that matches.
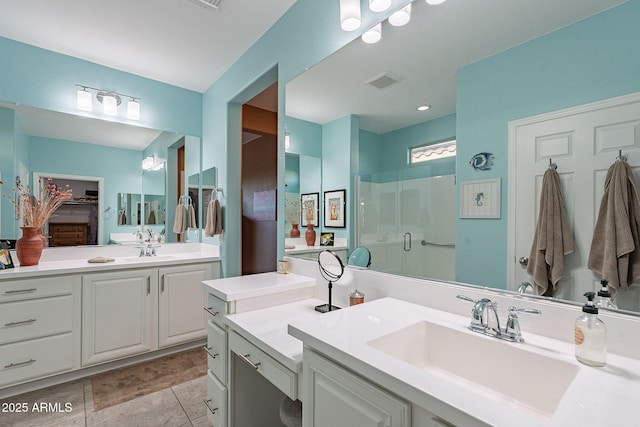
(485, 319)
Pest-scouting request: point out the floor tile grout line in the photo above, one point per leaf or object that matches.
(181, 406)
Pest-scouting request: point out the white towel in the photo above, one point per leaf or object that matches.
(179, 221)
(552, 239)
(214, 219)
(615, 253)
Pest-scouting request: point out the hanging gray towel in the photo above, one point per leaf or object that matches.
(552, 239)
(214, 219)
(179, 221)
(614, 249)
(191, 218)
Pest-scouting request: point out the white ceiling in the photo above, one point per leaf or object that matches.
(173, 41)
(425, 56)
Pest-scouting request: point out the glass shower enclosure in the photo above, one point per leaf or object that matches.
(408, 223)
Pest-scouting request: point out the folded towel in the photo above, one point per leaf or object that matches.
(179, 221)
(214, 219)
(100, 260)
(614, 249)
(552, 239)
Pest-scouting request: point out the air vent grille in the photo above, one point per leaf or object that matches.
(383, 80)
(209, 4)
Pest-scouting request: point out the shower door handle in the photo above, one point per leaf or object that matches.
(406, 242)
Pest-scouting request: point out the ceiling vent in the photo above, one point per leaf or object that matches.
(383, 80)
(209, 4)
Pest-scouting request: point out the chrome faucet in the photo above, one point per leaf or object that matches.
(148, 250)
(485, 319)
(522, 288)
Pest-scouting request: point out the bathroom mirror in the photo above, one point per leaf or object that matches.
(303, 176)
(413, 64)
(210, 192)
(128, 208)
(58, 143)
(193, 190)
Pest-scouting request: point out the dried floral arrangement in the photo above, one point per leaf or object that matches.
(37, 209)
(292, 211)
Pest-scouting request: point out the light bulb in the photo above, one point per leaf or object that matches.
(84, 100)
(133, 109)
(350, 15)
(401, 17)
(373, 35)
(110, 105)
(435, 2)
(379, 5)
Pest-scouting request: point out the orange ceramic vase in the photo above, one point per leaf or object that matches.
(295, 231)
(310, 235)
(29, 246)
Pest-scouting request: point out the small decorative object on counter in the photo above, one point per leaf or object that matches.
(591, 335)
(356, 297)
(283, 266)
(310, 235)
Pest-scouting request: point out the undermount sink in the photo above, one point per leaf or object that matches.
(515, 374)
(150, 258)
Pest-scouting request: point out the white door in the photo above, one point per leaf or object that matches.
(583, 142)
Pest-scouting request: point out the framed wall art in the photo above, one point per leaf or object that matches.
(335, 205)
(309, 211)
(480, 199)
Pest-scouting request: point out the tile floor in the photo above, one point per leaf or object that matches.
(178, 406)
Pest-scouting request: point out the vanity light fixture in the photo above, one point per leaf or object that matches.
(373, 35)
(148, 163)
(401, 17)
(379, 5)
(435, 2)
(287, 140)
(350, 17)
(423, 107)
(84, 99)
(109, 100)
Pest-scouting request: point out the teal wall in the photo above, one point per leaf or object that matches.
(591, 60)
(7, 154)
(120, 169)
(305, 137)
(40, 78)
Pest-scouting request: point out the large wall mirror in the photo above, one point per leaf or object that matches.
(42, 143)
(408, 214)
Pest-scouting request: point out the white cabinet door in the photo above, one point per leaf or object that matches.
(336, 397)
(181, 302)
(117, 314)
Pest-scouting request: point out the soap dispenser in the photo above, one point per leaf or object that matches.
(590, 335)
(603, 300)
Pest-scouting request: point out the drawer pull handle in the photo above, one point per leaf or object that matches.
(21, 291)
(15, 365)
(21, 323)
(245, 357)
(208, 350)
(213, 313)
(212, 410)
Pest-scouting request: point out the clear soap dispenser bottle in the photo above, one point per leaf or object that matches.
(603, 300)
(591, 335)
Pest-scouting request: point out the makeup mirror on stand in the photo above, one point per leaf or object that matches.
(331, 268)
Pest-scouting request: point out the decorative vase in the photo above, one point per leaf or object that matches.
(310, 235)
(29, 246)
(295, 232)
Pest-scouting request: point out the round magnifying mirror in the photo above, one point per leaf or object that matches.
(331, 268)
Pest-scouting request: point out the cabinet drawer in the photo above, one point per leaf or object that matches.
(21, 289)
(35, 358)
(23, 320)
(217, 351)
(216, 401)
(216, 308)
(268, 367)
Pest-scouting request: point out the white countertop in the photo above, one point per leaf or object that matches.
(256, 285)
(68, 260)
(608, 396)
(300, 249)
(267, 329)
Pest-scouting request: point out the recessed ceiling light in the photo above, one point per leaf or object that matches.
(423, 107)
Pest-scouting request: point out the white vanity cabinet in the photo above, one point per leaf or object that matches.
(337, 397)
(117, 314)
(134, 311)
(180, 302)
(39, 327)
(217, 357)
